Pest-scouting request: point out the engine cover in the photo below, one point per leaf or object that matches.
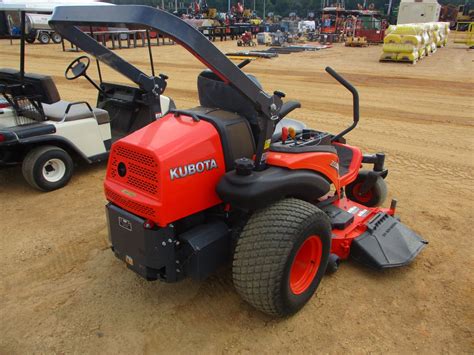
(167, 170)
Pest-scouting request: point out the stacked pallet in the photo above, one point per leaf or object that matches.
(412, 42)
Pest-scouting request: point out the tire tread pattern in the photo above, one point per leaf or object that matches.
(263, 248)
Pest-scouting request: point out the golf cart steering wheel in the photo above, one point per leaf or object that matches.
(77, 68)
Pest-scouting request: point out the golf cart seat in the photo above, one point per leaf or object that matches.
(8, 76)
(40, 87)
(57, 112)
(213, 92)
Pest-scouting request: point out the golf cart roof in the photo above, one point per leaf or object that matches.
(66, 19)
(43, 6)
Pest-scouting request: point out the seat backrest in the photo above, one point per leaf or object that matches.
(234, 131)
(213, 92)
(9, 76)
(39, 85)
(43, 86)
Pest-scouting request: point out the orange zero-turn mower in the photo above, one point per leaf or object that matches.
(234, 181)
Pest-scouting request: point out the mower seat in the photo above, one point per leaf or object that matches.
(234, 131)
(213, 92)
(57, 111)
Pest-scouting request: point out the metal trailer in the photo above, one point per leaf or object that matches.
(37, 29)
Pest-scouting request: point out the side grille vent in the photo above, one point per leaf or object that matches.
(144, 159)
(142, 169)
(142, 184)
(137, 208)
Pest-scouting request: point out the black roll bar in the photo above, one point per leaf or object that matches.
(355, 99)
(65, 20)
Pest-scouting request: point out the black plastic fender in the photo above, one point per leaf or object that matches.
(261, 188)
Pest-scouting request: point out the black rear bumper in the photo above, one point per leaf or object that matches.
(158, 253)
(148, 252)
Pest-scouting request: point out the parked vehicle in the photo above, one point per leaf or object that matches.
(46, 135)
(37, 28)
(224, 183)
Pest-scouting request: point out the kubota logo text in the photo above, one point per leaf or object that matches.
(191, 169)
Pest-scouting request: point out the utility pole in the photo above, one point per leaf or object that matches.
(228, 7)
(176, 5)
(389, 10)
(264, 4)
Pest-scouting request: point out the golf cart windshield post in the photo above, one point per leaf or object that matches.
(65, 20)
(22, 45)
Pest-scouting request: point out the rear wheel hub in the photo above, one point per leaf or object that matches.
(305, 265)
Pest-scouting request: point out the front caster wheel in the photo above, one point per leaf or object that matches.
(333, 264)
(375, 196)
(281, 256)
(47, 168)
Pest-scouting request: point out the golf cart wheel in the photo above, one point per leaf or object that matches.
(281, 256)
(56, 37)
(47, 168)
(374, 197)
(44, 38)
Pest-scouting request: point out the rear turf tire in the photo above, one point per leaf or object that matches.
(274, 237)
(47, 168)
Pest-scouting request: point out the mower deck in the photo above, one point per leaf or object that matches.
(371, 236)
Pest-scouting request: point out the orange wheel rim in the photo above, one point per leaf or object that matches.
(362, 197)
(305, 264)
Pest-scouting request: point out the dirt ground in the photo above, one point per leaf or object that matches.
(63, 291)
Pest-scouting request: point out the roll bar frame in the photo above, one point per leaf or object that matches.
(65, 20)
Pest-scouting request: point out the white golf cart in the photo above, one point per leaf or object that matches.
(46, 134)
